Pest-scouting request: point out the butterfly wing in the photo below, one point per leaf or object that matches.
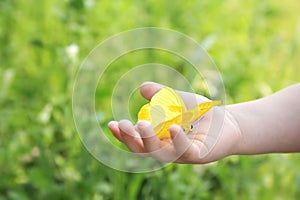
(185, 119)
(197, 111)
(167, 107)
(154, 114)
(164, 106)
(162, 129)
(170, 101)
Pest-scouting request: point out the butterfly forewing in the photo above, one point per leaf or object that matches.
(170, 101)
(199, 110)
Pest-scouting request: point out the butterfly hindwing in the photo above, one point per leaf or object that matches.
(144, 112)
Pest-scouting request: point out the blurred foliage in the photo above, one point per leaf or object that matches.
(255, 44)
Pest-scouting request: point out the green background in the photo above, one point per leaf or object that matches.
(255, 44)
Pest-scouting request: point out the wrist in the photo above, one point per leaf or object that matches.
(247, 117)
(235, 130)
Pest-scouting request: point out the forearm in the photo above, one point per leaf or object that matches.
(270, 124)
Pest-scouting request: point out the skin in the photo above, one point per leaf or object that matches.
(267, 125)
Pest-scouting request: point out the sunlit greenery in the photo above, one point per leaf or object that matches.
(255, 44)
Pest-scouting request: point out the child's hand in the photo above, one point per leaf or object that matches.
(215, 135)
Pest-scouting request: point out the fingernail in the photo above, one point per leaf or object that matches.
(143, 123)
(144, 128)
(148, 83)
(112, 123)
(174, 130)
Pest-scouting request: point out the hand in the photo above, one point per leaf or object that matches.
(214, 136)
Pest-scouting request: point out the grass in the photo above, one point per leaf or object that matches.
(254, 44)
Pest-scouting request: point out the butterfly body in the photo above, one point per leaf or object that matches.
(167, 107)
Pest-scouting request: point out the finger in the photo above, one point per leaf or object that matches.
(130, 137)
(188, 151)
(148, 89)
(180, 141)
(150, 140)
(114, 128)
(159, 150)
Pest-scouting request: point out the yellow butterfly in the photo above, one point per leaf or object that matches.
(167, 107)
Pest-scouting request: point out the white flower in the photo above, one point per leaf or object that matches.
(72, 51)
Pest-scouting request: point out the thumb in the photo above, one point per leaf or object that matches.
(148, 89)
